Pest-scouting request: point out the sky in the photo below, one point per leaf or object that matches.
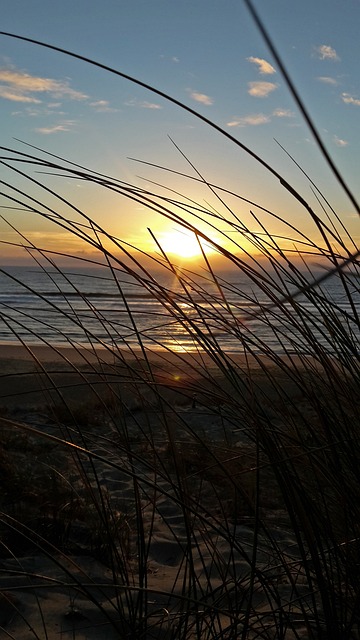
(207, 54)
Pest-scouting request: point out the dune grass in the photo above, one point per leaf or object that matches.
(224, 501)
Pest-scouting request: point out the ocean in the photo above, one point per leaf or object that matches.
(88, 307)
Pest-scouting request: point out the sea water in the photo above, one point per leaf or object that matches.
(97, 307)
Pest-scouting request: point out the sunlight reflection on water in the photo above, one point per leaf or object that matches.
(85, 309)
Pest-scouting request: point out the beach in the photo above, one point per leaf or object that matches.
(164, 446)
(24, 368)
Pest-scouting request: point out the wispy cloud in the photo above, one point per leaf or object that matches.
(327, 80)
(19, 86)
(349, 99)
(261, 89)
(170, 58)
(8, 93)
(102, 106)
(201, 97)
(283, 113)
(265, 68)
(339, 142)
(142, 104)
(325, 52)
(150, 105)
(41, 111)
(66, 125)
(253, 120)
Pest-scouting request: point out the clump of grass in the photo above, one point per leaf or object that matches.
(259, 492)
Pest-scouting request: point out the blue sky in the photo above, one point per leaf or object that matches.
(205, 53)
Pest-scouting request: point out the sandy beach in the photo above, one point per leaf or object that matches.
(145, 442)
(27, 372)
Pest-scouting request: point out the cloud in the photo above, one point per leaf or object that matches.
(339, 142)
(9, 94)
(254, 120)
(172, 58)
(34, 111)
(149, 105)
(265, 68)
(142, 104)
(56, 128)
(283, 113)
(19, 87)
(261, 89)
(201, 97)
(327, 80)
(325, 52)
(348, 99)
(102, 106)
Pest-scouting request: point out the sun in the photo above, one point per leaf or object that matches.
(183, 244)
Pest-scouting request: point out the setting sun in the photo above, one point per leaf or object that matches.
(182, 243)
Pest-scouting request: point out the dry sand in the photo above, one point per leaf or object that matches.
(38, 591)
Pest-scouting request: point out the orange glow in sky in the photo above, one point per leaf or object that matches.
(91, 118)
